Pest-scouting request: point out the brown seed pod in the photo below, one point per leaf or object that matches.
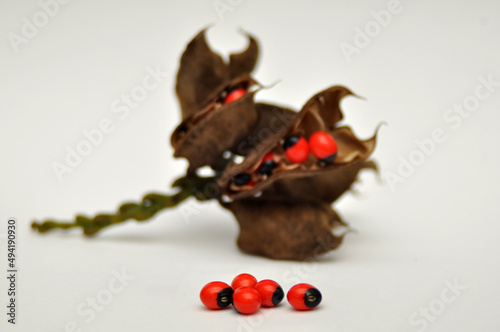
(280, 199)
(324, 186)
(321, 112)
(203, 73)
(283, 227)
(291, 217)
(203, 84)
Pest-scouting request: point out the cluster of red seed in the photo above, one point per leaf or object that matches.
(321, 144)
(247, 295)
(297, 149)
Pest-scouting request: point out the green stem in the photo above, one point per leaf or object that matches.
(190, 185)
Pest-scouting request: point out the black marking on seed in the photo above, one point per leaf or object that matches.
(329, 159)
(312, 298)
(290, 141)
(230, 89)
(278, 296)
(267, 167)
(225, 297)
(242, 179)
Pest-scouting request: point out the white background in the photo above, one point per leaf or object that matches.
(440, 225)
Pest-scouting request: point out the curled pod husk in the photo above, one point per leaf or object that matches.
(287, 214)
(204, 81)
(203, 140)
(324, 180)
(325, 186)
(284, 211)
(283, 227)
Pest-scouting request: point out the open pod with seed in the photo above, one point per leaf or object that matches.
(216, 101)
(283, 207)
(278, 171)
(321, 113)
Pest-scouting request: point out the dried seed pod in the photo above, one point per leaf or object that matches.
(267, 165)
(324, 186)
(203, 73)
(202, 142)
(203, 84)
(320, 113)
(282, 203)
(283, 227)
(273, 122)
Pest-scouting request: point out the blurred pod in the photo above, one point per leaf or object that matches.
(313, 178)
(283, 227)
(211, 122)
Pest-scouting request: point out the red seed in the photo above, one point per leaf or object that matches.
(270, 292)
(323, 146)
(296, 149)
(246, 300)
(268, 156)
(244, 280)
(216, 295)
(304, 297)
(234, 95)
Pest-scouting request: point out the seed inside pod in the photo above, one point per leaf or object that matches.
(242, 179)
(232, 92)
(323, 146)
(234, 95)
(296, 149)
(312, 130)
(268, 164)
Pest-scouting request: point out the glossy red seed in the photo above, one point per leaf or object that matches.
(234, 95)
(322, 145)
(246, 300)
(216, 295)
(244, 280)
(296, 149)
(270, 292)
(304, 297)
(268, 156)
